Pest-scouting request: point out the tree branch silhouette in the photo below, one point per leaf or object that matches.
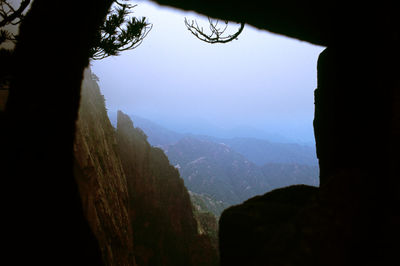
(119, 33)
(217, 32)
(10, 16)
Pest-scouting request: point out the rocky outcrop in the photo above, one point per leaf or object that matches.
(135, 201)
(101, 179)
(263, 230)
(165, 231)
(353, 218)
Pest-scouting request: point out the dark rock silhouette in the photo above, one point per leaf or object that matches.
(37, 134)
(262, 231)
(354, 212)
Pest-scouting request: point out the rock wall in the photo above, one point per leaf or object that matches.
(100, 177)
(135, 201)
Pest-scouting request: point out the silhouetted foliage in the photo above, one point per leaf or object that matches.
(9, 15)
(119, 32)
(217, 32)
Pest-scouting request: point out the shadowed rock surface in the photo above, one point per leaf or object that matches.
(135, 201)
(262, 231)
(354, 218)
(165, 230)
(101, 178)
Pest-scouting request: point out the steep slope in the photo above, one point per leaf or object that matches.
(165, 230)
(101, 179)
(207, 212)
(205, 203)
(216, 170)
(135, 201)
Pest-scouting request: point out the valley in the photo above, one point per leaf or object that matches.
(223, 172)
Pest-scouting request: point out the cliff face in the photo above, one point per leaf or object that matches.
(135, 201)
(165, 230)
(101, 179)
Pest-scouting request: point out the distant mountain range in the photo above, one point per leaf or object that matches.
(200, 126)
(157, 135)
(223, 172)
(216, 170)
(261, 151)
(258, 151)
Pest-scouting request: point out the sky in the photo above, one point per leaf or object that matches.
(260, 85)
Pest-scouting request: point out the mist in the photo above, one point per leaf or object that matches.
(260, 85)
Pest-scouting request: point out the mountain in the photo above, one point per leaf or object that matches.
(157, 135)
(262, 151)
(204, 209)
(205, 203)
(135, 201)
(256, 150)
(217, 171)
(101, 178)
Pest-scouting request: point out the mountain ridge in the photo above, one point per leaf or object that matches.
(224, 175)
(257, 150)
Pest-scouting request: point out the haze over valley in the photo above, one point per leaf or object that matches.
(223, 172)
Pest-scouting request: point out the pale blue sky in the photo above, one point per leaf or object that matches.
(261, 81)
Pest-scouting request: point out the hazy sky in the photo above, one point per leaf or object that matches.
(261, 81)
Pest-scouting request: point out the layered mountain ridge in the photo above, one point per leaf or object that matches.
(223, 172)
(226, 176)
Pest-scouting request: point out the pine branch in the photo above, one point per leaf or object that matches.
(216, 35)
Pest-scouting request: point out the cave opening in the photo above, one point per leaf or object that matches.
(235, 119)
(254, 95)
(354, 215)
